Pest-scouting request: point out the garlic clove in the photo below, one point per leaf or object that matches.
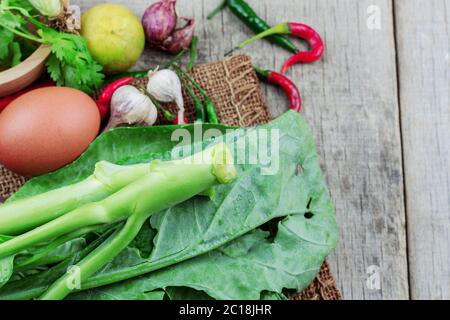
(165, 86)
(129, 106)
(152, 116)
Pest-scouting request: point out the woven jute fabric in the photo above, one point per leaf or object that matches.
(234, 87)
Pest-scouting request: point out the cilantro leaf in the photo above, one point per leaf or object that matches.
(71, 63)
(16, 54)
(54, 69)
(10, 50)
(24, 4)
(7, 38)
(10, 20)
(76, 67)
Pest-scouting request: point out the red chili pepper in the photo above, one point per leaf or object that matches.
(5, 101)
(179, 121)
(291, 90)
(299, 30)
(104, 99)
(315, 42)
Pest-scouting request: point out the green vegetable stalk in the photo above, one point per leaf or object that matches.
(25, 214)
(167, 184)
(40, 257)
(98, 258)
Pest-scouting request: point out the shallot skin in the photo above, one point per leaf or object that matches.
(181, 38)
(159, 21)
(160, 26)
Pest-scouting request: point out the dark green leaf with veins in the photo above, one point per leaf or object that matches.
(216, 246)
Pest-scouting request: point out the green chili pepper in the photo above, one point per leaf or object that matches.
(211, 111)
(247, 15)
(193, 54)
(209, 104)
(200, 115)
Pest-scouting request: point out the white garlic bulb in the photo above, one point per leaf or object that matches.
(129, 106)
(165, 86)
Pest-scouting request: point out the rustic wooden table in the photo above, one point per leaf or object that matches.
(379, 105)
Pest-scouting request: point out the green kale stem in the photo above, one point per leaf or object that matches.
(176, 182)
(39, 258)
(88, 215)
(25, 214)
(97, 258)
(171, 182)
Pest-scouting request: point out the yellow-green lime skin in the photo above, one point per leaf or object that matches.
(115, 36)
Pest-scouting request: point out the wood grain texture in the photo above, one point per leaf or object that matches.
(351, 103)
(423, 37)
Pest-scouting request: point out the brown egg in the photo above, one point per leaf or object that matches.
(46, 129)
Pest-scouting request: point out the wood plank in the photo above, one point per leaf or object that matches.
(351, 102)
(423, 33)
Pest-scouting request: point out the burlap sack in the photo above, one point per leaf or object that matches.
(235, 89)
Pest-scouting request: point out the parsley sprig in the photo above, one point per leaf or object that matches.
(70, 63)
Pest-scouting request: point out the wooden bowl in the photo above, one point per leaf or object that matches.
(25, 73)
